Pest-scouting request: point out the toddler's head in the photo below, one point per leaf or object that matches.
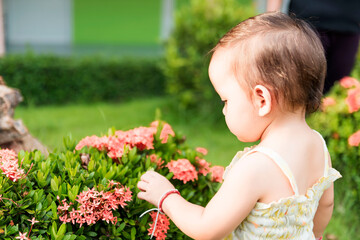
(282, 53)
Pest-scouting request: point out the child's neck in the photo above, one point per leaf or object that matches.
(283, 125)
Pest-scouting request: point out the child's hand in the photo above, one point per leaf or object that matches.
(153, 186)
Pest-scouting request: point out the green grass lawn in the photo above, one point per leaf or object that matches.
(51, 123)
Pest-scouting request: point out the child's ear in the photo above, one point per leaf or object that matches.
(262, 99)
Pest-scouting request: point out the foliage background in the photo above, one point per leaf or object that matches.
(198, 27)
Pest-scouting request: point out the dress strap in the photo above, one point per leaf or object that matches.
(278, 160)
(326, 154)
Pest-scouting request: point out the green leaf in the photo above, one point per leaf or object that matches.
(39, 206)
(70, 237)
(133, 233)
(9, 230)
(91, 234)
(60, 234)
(72, 192)
(53, 230)
(126, 235)
(54, 185)
(80, 231)
(121, 227)
(82, 237)
(91, 165)
(110, 174)
(30, 211)
(54, 210)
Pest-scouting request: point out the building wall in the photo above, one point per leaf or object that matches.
(38, 22)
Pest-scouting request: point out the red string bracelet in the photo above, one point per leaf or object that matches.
(159, 208)
(164, 196)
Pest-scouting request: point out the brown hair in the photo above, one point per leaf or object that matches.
(282, 53)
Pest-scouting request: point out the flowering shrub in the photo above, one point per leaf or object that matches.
(88, 190)
(339, 123)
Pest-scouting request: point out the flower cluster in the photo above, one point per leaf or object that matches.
(142, 138)
(217, 173)
(183, 169)
(162, 226)
(9, 165)
(326, 102)
(354, 139)
(353, 102)
(155, 159)
(353, 94)
(204, 166)
(95, 206)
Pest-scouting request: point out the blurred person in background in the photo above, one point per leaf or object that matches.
(338, 24)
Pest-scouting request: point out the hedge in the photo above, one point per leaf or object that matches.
(51, 79)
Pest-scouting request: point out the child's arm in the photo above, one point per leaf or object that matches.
(324, 211)
(226, 210)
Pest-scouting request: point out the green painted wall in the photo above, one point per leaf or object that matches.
(116, 22)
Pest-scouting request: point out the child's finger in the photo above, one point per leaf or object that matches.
(141, 195)
(142, 185)
(145, 177)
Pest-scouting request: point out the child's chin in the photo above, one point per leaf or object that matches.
(246, 139)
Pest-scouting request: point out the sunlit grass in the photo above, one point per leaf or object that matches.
(51, 123)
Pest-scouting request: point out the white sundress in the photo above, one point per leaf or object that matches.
(287, 218)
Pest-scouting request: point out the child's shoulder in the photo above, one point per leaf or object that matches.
(256, 164)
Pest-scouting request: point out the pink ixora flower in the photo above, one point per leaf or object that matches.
(9, 165)
(353, 100)
(165, 131)
(183, 170)
(22, 236)
(217, 173)
(162, 226)
(33, 221)
(327, 101)
(354, 139)
(348, 82)
(204, 166)
(141, 137)
(93, 141)
(155, 159)
(202, 150)
(95, 206)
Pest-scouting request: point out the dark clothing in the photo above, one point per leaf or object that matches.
(333, 15)
(338, 24)
(340, 50)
